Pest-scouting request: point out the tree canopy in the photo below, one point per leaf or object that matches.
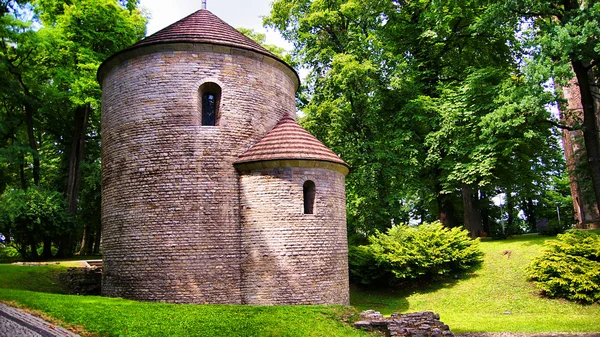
(436, 106)
(50, 112)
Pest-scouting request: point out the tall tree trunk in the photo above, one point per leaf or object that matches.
(510, 208)
(29, 110)
(47, 252)
(97, 240)
(471, 213)
(529, 210)
(587, 88)
(33, 247)
(22, 171)
(584, 75)
(485, 212)
(87, 241)
(80, 121)
(446, 211)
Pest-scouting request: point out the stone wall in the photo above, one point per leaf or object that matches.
(82, 281)
(170, 202)
(416, 324)
(292, 257)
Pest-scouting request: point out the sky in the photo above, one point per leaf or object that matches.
(237, 13)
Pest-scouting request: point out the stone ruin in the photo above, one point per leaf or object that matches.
(418, 324)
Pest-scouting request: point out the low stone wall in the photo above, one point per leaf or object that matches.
(82, 281)
(419, 324)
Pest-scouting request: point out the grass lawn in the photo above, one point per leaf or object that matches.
(33, 287)
(495, 298)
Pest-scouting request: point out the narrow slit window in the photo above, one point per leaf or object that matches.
(309, 197)
(210, 99)
(209, 109)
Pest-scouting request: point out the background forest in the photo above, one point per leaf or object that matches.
(437, 106)
(50, 119)
(440, 106)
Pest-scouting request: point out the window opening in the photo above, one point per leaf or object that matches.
(209, 109)
(309, 197)
(210, 97)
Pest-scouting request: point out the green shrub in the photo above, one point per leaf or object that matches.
(569, 267)
(8, 253)
(408, 253)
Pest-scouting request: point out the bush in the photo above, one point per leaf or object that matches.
(408, 253)
(569, 267)
(8, 253)
(554, 228)
(27, 216)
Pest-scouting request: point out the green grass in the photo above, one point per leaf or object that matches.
(495, 298)
(477, 302)
(34, 288)
(33, 278)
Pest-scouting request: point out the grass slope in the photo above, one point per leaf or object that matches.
(495, 298)
(34, 288)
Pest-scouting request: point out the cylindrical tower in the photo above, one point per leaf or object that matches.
(293, 211)
(178, 109)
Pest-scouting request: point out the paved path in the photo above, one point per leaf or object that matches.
(15, 322)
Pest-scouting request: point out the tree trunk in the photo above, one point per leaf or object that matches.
(529, 210)
(446, 211)
(29, 110)
(33, 247)
(87, 242)
(590, 125)
(471, 213)
(80, 121)
(97, 240)
(47, 252)
(484, 212)
(510, 208)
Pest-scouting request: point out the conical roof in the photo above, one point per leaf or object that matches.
(288, 140)
(203, 27)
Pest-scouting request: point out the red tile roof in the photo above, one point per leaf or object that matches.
(199, 27)
(288, 140)
(203, 27)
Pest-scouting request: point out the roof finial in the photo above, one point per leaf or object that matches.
(203, 4)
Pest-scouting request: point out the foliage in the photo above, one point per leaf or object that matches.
(476, 302)
(261, 39)
(569, 267)
(27, 216)
(8, 253)
(409, 253)
(426, 101)
(50, 99)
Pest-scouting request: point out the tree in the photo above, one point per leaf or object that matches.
(417, 97)
(52, 99)
(565, 36)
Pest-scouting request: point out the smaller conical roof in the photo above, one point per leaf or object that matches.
(289, 141)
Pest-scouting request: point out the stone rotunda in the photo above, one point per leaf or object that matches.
(211, 191)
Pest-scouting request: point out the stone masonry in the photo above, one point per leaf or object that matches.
(293, 257)
(180, 223)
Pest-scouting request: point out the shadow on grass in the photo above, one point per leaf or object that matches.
(388, 299)
(523, 239)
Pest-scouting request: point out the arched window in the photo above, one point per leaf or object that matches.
(210, 100)
(309, 197)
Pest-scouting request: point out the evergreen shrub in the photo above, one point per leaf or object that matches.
(413, 252)
(569, 267)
